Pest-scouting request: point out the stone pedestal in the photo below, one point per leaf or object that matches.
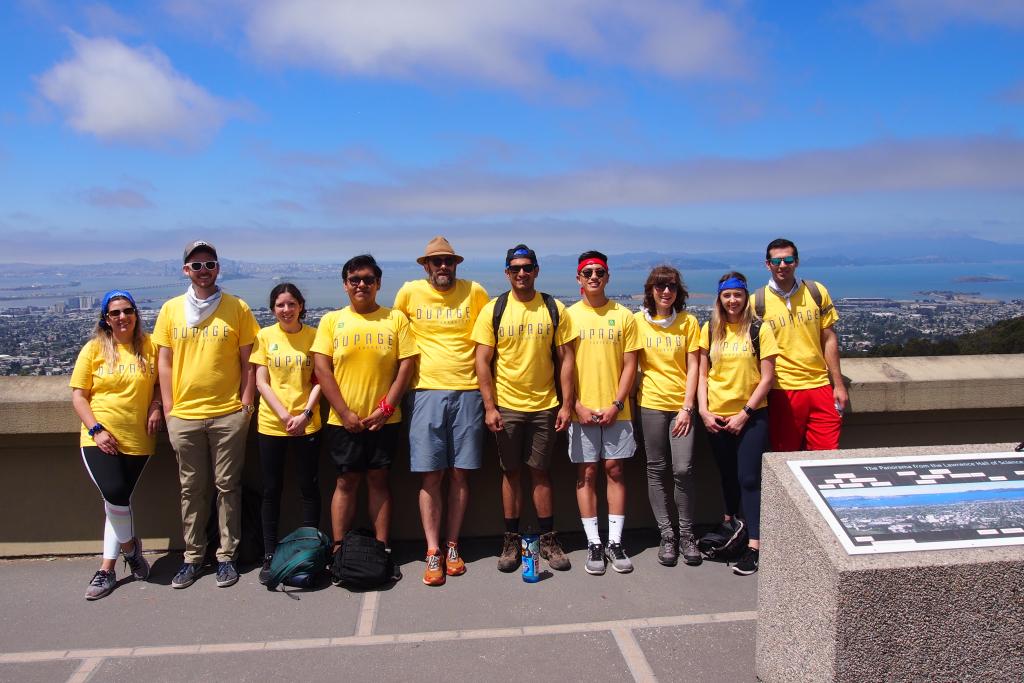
(824, 615)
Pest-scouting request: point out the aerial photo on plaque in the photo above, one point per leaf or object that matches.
(906, 503)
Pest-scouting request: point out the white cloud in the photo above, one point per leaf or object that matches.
(124, 94)
(886, 167)
(504, 43)
(921, 17)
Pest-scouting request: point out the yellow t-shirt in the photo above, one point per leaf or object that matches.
(601, 335)
(206, 371)
(290, 366)
(443, 324)
(734, 376)
(120, 398)
(524, 370)
(364, 351)
(801, 362)
(662, 360)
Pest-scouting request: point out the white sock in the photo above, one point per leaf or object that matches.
(118, 529)
(590, 526)
(615, 523)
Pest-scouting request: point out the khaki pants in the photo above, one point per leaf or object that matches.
(210, 452)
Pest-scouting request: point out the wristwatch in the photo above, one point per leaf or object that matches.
(308, 413)
(748, 410)
(96, 429)
(619, 404)
(689, 411)
(249, 408)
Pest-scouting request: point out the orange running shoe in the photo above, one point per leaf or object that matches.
(434, 574)
(453, 564)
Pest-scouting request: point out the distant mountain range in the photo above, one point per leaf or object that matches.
(916, 499)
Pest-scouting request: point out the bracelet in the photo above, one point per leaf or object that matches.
(689, 411)
(155, 402)
(96, 429)
(619, 404)
(386, 407)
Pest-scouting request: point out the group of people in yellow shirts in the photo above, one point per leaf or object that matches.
(521, 366)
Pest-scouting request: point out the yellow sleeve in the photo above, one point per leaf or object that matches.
(81, 376)
(259, 350)
(829, 315)
(248, 328)
(692, 330)
(483, 328)
(564, 335)
(705, 343)
(632, 336)
(406, 339)
(478, 297)
(161, 332)
(402, 299)
(323, 342)
(766, 338)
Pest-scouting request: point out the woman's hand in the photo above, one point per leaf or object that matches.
(106, 442)
(154, 419)
(683, 424)
(296, 424)
(735, 424)
(713, 423)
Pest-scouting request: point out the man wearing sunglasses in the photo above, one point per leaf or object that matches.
(806, 404)
(206, 384)
(446, 414)
(521, 405)
(606, 344)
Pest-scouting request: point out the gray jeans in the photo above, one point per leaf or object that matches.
(669, 471)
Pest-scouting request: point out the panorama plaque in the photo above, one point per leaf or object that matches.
(908, 503)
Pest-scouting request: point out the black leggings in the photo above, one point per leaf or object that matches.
(115, 475)
(273, 450)
(739, 464)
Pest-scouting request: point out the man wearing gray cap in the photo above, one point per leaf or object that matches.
(446, 414)
(206, 385)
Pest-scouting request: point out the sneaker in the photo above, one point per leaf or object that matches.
(101, 586)
(434, 574)
(396, 569)
(227, 575)
(187, 575)
(689, 550)
(617, 556)
(511, 550)
(265, 569)
(453, 564)
(595, 559)
(668, 550)
(748, 563)
(136, 562)
(551, 550)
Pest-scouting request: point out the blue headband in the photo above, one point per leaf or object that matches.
(115, 294)
(732, 283)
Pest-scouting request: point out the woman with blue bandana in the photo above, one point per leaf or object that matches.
(115, 394)
(737, 366)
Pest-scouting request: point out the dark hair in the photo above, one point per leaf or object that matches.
(591, 254)
(780, 243)
(360, 262)
(659, 276)
(288, 287)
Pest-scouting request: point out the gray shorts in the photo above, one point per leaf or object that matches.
(446, 429)
(594, 443)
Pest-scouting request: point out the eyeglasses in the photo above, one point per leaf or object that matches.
(199, 265)
(527, 268)
(788, 260)
(118, 312)
(593, 272)
(357, 280)
(438, 261)
(670, 286)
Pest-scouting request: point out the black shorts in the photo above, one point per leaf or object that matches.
(361, 451)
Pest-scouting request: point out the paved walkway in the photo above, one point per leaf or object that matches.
(658, 623)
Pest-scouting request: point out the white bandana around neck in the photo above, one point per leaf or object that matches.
(664, 322)
(197, 310)
(785, 296)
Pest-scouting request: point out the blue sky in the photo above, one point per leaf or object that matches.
(309, 130)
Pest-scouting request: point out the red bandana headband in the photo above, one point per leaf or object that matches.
(591, 262)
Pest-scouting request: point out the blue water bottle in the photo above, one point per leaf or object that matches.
(531, 557)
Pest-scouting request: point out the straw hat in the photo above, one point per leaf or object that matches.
(438, 246)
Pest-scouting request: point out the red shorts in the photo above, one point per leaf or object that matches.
(803, 419)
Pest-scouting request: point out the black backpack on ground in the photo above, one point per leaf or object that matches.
(361, 562)
(726, 542)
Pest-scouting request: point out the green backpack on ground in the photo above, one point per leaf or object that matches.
(304, 552)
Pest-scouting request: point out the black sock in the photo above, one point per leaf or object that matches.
(512, 525)
(546, 524)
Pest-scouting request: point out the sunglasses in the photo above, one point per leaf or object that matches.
(593, 272)
(670, 286)
(438, 261)
(118, 312)
(197, 266)
(357, 280)
(528, 268)
(788, 260)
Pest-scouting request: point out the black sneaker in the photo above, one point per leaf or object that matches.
(187, 575)
(101, 585)
(396, 569)
(668, 551)
(689, 550)
(265, 570)
(227, 575)
(595, 559)
(748, 563)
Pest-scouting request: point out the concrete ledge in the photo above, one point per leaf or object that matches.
(825, 615)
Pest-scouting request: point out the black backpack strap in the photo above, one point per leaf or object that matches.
(549, 303)
(815, 291)
(755, 337)
(499, 310)
(759, 295)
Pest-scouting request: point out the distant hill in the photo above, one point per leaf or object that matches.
(1005, 336)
